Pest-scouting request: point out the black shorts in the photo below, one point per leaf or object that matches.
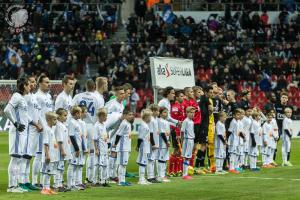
(201, 134)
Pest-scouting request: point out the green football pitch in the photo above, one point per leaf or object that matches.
(279, 183)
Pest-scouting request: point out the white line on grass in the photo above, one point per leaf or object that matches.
(247, 177)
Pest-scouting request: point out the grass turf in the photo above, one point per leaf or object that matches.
(281, 183)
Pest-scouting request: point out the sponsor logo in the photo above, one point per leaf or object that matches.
(173, 71)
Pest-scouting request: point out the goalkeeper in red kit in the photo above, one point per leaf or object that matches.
(177, 112)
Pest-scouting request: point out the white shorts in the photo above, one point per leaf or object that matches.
(187, 148)
(253, 151)
(90, 133)
(101, 160)
(122, 157)
(16, 143)
(220, 153)
(79, 161)
(61, 166)
(142, 159)
(240, 150)
(40, 143)
(49, 168)
(152, 156)
(163, 155)
(232, 149)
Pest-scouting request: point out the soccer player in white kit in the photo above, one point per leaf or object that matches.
(101, 139)
(154, 141)
(17, 112)
(44, 101)
(50, 153)
(255, 132)
(122, 144)
(188, 135)
(33, 133)
(143, 145)
(267, 136)
(92, 102)
(220, 143)
(287, 134)
(64, 99)
(114, 109)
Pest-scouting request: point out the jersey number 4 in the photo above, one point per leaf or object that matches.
(90, 107)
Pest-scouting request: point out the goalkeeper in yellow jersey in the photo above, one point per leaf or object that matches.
(211, 138)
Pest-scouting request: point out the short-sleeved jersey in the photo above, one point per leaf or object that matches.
(20, 110)
(61, 134)
(33, 107)
(256, 130)
(153, 126)
(124, 131)
(164, 127)
(187, 128)
(46, 104)
(233, 128)
(287, 125)
(220, 130)
(166, 103)
(49, 139)
(101, 136)
(267, 132)
(113, 106)
(74, 129)
(63, 100)
(100, 99)
(247, 121)
(144, 134)
(275, 128)
(91, 102)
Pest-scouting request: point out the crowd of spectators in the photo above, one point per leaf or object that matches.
(57, 38)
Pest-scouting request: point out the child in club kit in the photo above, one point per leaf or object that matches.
(247, 121)
(287, 134)
(242, 139)
(76, 137)
(83, 129)
(267, 139)
(143, 146)
(101, 139)
(123, 145)
(188, 135)
(163, 151)
(154, 141)
(62, 136)
(255, 132)
(50, 154)
(274, 139)
(220, 143)
(233, 141)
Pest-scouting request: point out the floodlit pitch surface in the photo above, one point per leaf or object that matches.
(280, 183)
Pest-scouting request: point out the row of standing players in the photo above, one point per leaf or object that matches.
(36, 134)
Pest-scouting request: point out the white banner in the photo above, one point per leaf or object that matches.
(178, 73)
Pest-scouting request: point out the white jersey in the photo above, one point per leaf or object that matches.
(256, 130)
(49, 139)
(267, 133)
(63, 100)
(144, 134)
(113, 106)
(33, 107)
(19, 110)
(124, 131)
(61, 134)
(220, 130)
(154, 129)
(247, 121)
(164, 127)
(240, 129)
(46, 104)
(233, 139)
(84, 135)
(187, 129)
(286, 125)
(74, 129)
(91, 102)
(166, 103)
(100, 99)
(101, 136)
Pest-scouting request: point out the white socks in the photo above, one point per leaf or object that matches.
(253, 160)
(13, 172)
(70, 174)
(150, 169)
(46, 181)
(103, 172)
(36, 166)
(78, 175)
(232, 160)
(90, 167)
(142, 171)
(219, 164)
(122, 171)
(185, 167)
(112, 170)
